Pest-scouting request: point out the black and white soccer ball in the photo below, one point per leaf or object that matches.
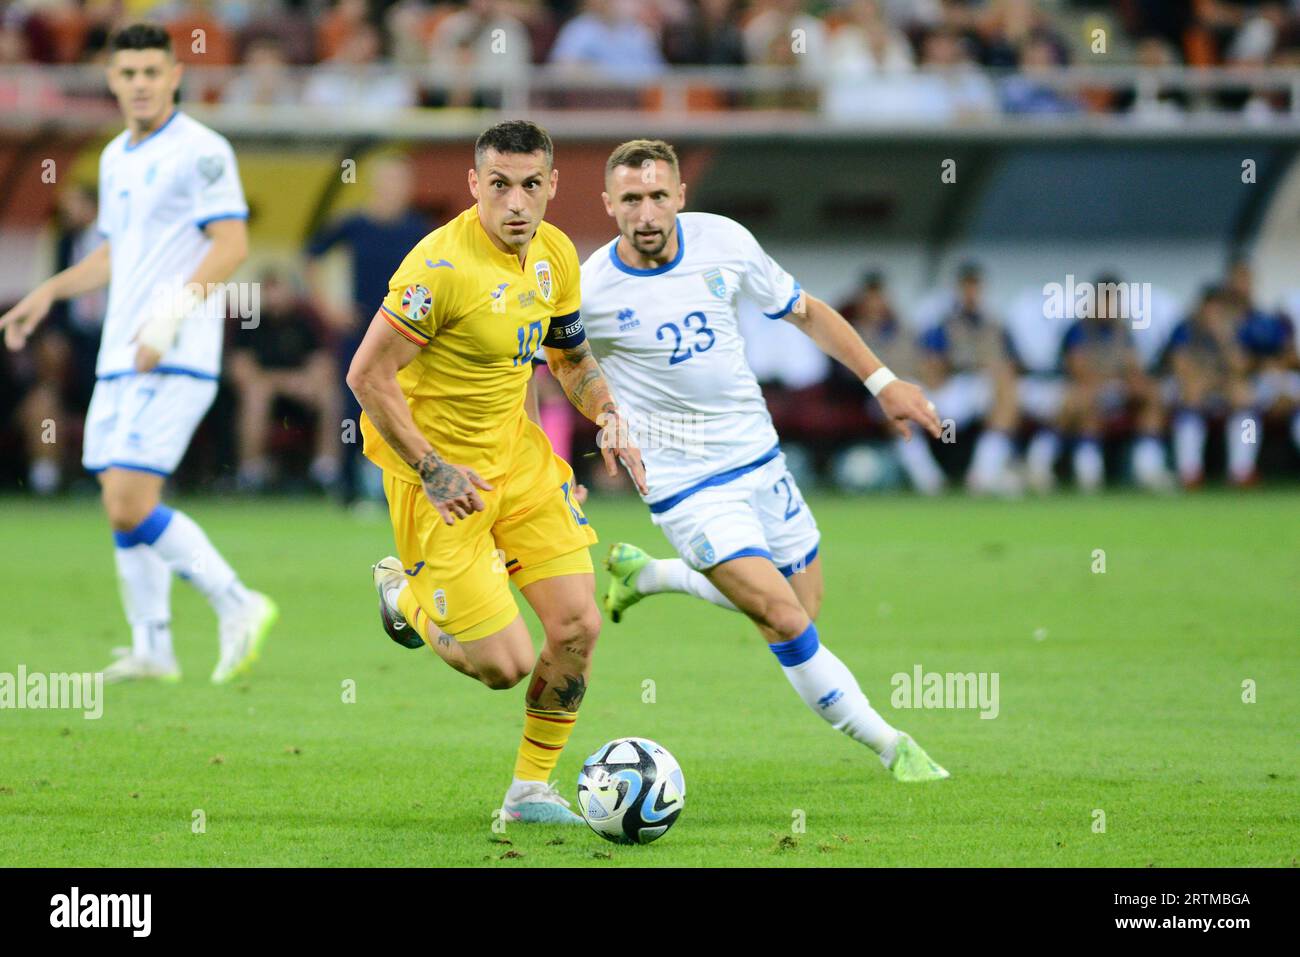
(631, 791)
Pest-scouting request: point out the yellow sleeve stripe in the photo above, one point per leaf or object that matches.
(404, 327)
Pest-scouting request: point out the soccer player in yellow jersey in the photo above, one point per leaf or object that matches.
(477, 497)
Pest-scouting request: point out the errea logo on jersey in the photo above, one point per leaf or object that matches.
(627, 320)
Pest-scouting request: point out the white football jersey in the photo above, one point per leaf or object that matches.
(155, 197)
(668, 341)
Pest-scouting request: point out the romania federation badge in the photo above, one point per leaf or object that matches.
(440, 602)
(717, 285)
(543, 270)
(416, 301)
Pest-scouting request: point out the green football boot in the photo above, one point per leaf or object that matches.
(624, 562)
(911, 763)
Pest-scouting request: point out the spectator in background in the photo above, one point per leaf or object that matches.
(1104, 381)
(1154, 53)
(1210, 372)
(706, 36)
(264, 80)
(64, 352)
(352, 79)
(375, 239)
(607, 38)
(872, 316)
(866, 58)
(481, 44)
(1028, 92)
(951, 89)
(1268, 343)
(782, 33)
(286, 356)
(966, 368)
(341, 22)
(198, 36)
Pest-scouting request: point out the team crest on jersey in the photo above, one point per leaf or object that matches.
(717, 285)
(703, 549)
(543, 270)
(211, 168)
(440, 603)
(416, 302)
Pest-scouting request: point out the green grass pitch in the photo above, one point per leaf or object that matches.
(1120, 692)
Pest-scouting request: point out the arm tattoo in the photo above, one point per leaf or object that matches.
(442, 482)
(580, 377)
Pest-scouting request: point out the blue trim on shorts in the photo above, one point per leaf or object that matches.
(148, 531)
(165, 370)
(722, 478)
(797, 650)
(744, 553)
(788, 570)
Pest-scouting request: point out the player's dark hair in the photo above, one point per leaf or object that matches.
(141, 36)
(513, 136)
(637, 153)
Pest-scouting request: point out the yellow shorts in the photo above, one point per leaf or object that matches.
(531, 529)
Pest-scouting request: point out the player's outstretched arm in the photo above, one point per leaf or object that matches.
(159, 330)
(91, 273)
(372, 377)
(579, 374)
(902, 402)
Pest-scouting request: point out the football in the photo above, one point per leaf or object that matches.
(631, 791)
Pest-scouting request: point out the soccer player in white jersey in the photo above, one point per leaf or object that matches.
(174, 220)
(660, 307)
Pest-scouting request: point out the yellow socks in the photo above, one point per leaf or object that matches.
(545, 735)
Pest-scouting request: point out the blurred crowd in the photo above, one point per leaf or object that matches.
(1029, 396)
(919, 59)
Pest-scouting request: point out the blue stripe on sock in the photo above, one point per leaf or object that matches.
(797, 650)
(147, 532)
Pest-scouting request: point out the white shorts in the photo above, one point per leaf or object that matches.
(760, 512)
(964, 397)
(144, 422)
(1040, 397)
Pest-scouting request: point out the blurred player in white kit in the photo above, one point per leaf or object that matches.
(173, 215)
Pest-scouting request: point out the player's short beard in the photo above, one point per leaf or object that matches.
(637, 244)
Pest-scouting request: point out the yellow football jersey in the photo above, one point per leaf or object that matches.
(479, 316)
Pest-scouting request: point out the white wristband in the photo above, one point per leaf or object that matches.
(158, 332)
(878, 380)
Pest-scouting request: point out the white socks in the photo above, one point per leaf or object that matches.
(189, 553)
(1040, 457)
(146, 583)
(919, 464)
(674, 575)
(1242, 455)
(1189, 445)
(1089, 466)
(989, 460)
(828, 687)
(169, 541)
